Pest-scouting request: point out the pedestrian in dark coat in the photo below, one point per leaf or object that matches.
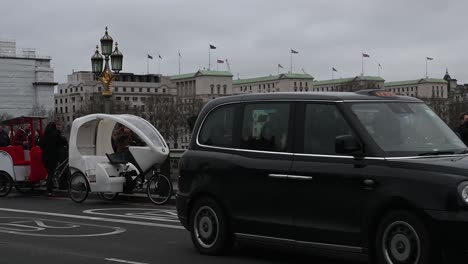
(4, 138)
(462, 130)
(51, 144)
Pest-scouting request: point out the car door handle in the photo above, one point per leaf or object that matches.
(369, 183)
(278, 176)
(300, 177)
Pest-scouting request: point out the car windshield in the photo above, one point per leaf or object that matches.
(407, 129)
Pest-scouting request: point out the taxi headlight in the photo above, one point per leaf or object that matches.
(463, 191)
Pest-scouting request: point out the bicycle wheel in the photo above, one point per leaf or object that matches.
(78, 188)
(6, 183)
(109, 196)
(159, 189)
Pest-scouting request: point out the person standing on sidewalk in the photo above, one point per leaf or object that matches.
(462, 130)
(4, 138)
(51, 143)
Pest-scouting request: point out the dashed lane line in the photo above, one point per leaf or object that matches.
(91, 218)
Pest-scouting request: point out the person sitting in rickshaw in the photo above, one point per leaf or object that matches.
(22, 136)
(122, 138)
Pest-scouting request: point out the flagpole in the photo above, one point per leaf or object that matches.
(426, 68)
(332, 74)
(277, 68)
(179, 62)
(291, 62)
(362, 64)
(209, 58)
(147, 64)
(159, 64)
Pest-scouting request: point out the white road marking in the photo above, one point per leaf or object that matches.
(91, 218)
(37, 225)
(124, 261)
(163, 215)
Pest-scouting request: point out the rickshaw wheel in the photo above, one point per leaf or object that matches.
(159, 189)
(78, 189)
(109, 196)
(23, 187)
(6, 183)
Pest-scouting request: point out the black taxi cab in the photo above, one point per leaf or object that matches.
(367, 174)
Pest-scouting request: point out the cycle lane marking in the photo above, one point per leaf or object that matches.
(94, 218)
(124, 261)
(164, 215)
(53, 228)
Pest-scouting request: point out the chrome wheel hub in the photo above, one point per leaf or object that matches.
(401, 244)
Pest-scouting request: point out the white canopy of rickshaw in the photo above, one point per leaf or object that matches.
(91, 135)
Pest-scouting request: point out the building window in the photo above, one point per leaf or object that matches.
(147, 90)
(65, 90)
(61, 110)
(125, 89)
(127, 98)
(66, 109)
(225, 88)
(66, 100)
(306, 84)
(81, 88)
(218, 88)
(143, 99)
(140, 90)
(60, 91)
(212, 88)
(135, 99)
(56, 108)
(164, 90)
(118, 98)
(295, 84)
(61, 100)
(116, 89)
(81, 98)
(74, 109)
(68, 118)
(99, 88)
(143, 108)
(132, 89)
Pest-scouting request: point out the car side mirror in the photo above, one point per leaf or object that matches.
(348, 145)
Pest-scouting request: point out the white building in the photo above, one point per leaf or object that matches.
(421, 88)
(285, 82)
(349, 84)
(26, 81)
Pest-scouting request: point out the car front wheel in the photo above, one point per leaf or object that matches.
(209, 228)
(403, 238)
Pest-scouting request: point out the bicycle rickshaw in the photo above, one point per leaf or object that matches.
(21, 167)
(95, 167)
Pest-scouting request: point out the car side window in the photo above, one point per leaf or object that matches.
(265, 127)
(218, 127)
(322, 124)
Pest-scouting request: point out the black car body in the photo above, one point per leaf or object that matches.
(334, 184)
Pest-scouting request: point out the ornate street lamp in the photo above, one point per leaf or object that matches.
(105, 76)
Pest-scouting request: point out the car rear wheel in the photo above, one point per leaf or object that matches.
(403, 238)
(209, 228)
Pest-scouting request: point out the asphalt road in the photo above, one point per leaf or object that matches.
(38, 229)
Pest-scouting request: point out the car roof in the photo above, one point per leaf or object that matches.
(364, 95)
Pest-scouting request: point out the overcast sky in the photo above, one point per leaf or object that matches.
(253, 35)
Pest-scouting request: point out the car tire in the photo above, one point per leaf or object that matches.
(209, 228)
(402, 237)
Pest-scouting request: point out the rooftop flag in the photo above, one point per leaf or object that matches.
(212, 47)
(160, 57)
(333, 69)
(150, 57)
(429, 58)
(220, 61)
(294, 52)
(280, 66)
(365, 55)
